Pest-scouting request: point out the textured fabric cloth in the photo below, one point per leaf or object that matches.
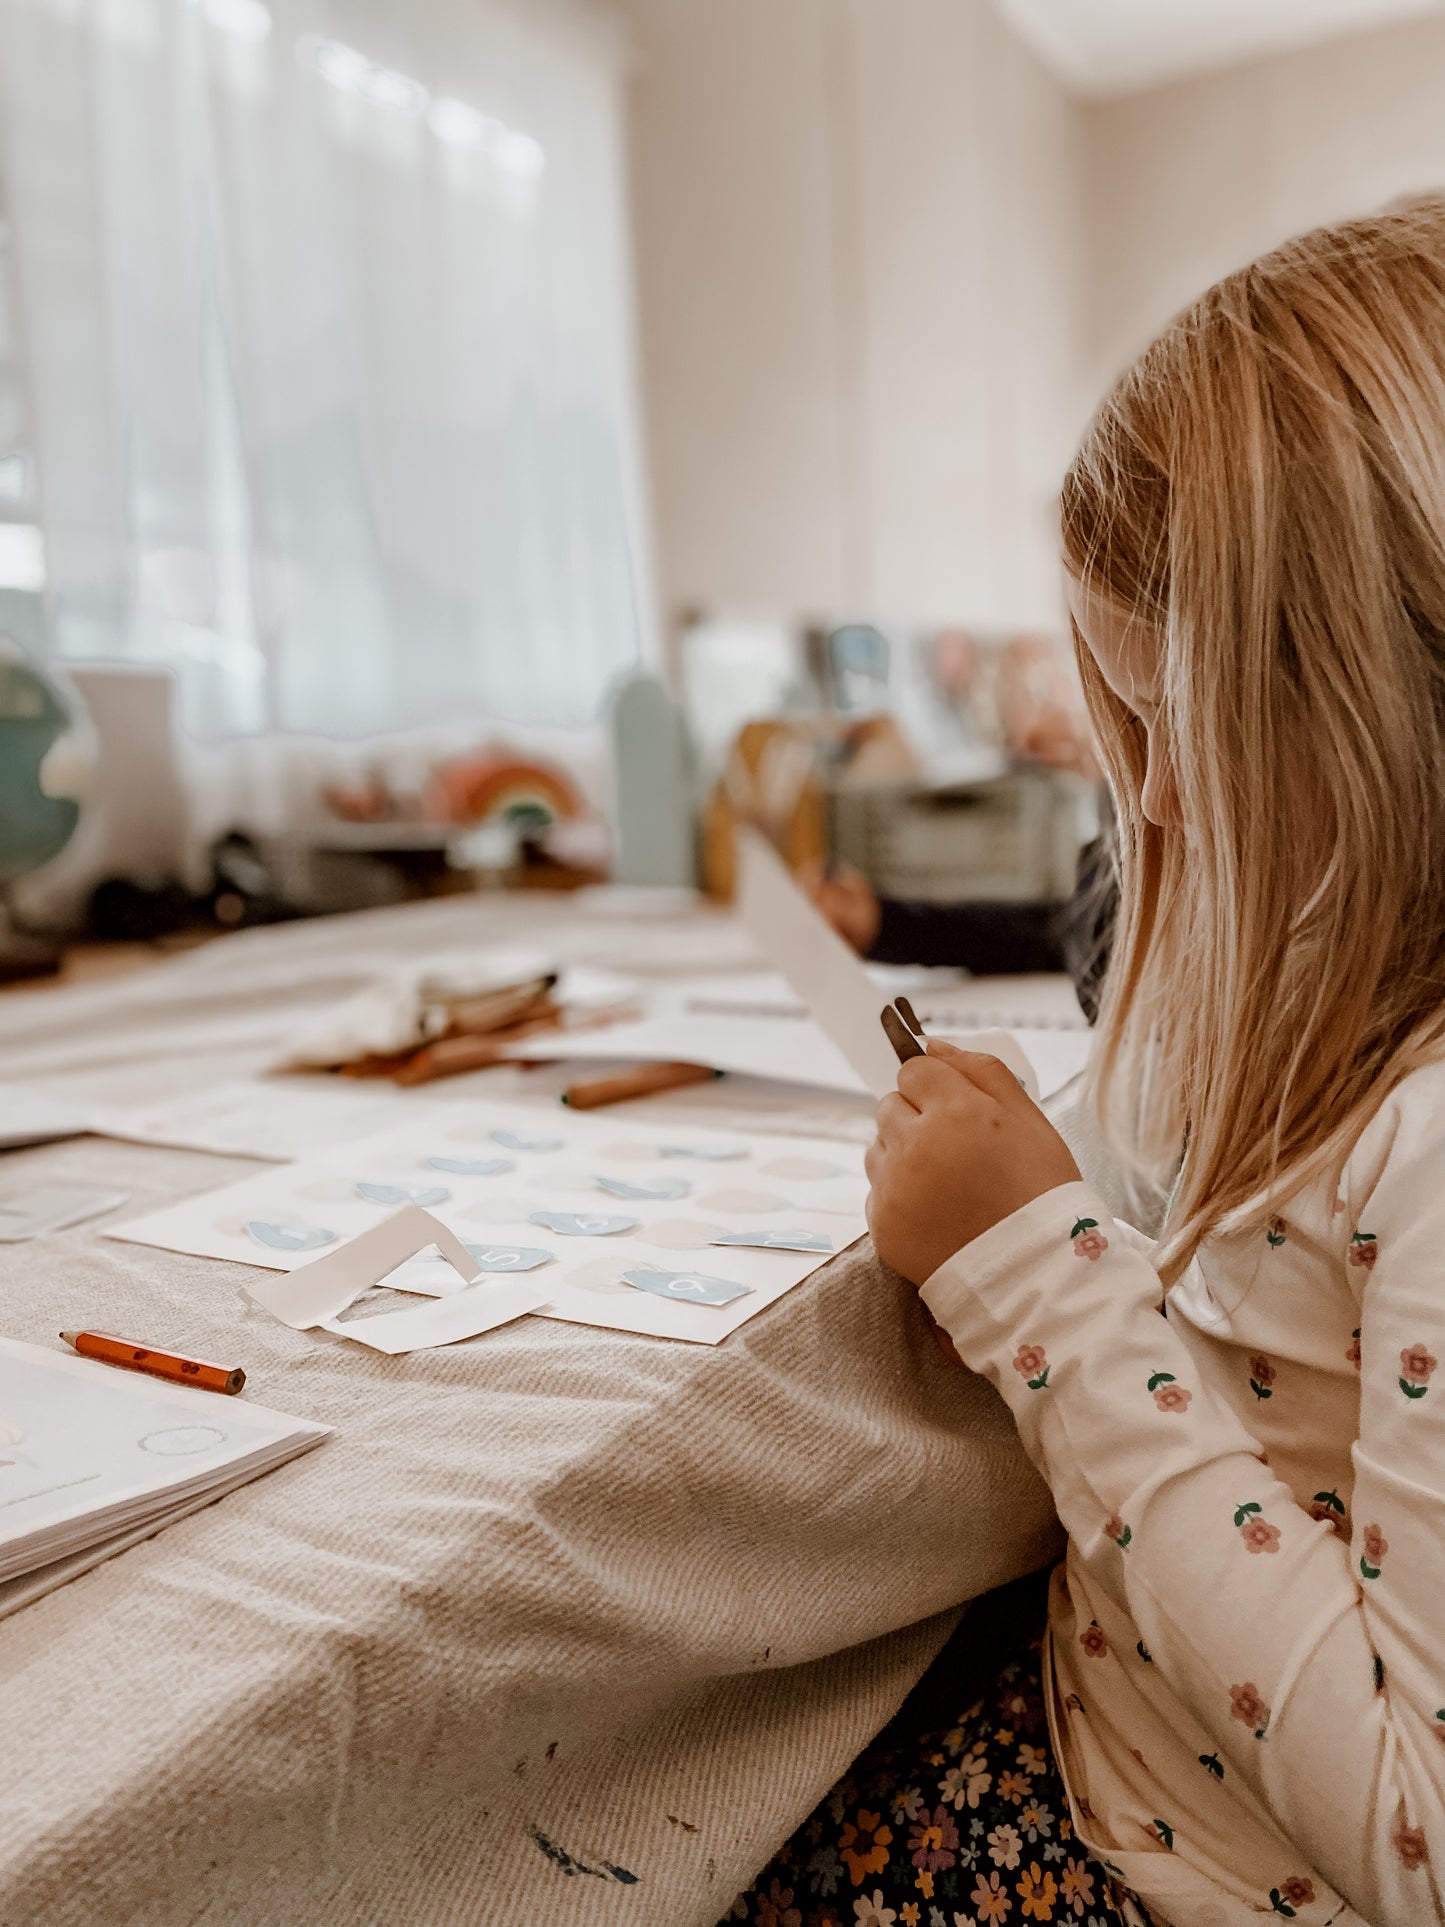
(561, 1625)
(1248, 1689)
(955, 1812)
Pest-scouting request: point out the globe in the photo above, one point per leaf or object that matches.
(44, 761)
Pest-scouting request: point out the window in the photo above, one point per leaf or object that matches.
(323, 355)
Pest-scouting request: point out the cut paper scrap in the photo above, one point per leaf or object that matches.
(289, 1237)
(655, 1188)
(519, 1141)
(777, 1240)
(508, 1257)
(583, 1224)
(445, 1321)
(691, 1287)
(473, 1167)
(422, 1194)
(316, 1294)
(708, 1153)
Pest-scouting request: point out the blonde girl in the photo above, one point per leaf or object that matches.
(1244, 1671)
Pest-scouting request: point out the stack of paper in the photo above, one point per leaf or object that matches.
(93, 1460)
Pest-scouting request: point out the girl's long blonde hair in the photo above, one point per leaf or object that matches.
(1265, 492)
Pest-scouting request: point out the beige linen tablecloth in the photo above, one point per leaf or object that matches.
(561, 1625)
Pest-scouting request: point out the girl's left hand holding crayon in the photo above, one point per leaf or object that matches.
(960, 1147)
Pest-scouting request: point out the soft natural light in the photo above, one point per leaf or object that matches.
(519, 154)
(458, 125)
(245, 19)
(14, 481)
(22, 557)
(351, 72)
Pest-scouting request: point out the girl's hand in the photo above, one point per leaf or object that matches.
(960, 1147)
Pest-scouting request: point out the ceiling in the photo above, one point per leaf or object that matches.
(1103, 47)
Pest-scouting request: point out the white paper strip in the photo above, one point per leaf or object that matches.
(442, 1321)
(314, 1292)
(819, 966)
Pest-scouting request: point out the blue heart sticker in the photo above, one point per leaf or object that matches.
(692, 1287)
(509, 1257)
(654, 1188)
(290, 1237)
(422, 1194)
(473, 1167)
(516, 1141)
(582, 1224)
(776, 1240)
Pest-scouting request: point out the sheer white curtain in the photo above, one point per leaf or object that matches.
(322, 320)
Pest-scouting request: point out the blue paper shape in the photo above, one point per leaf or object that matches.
(290, 1237)
(517, 1141)
(709, 1153)
(654, 1187)
(776, 1240)
(582, 1224)
(689, 1287)
(509, 1257)
(473, 1167)
(422, 1194)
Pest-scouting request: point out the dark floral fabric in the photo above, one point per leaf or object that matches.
(955, 1815)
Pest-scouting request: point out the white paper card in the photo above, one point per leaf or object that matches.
(317, 1291)
(442, 1321)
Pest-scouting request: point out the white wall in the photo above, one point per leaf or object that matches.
(1189, 181)
(858, 234)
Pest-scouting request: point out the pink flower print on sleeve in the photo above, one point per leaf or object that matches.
(1373, 1547)
(1248, 1706)
(1257, 1533)
(1292, 1894)
(1089, 1240)
(1416, 1365)
(1169, 1396)
(1330, 1507)
(1364, 1249)
(1032, 1365)
(1094, 1640)
(1115, 1529)
(1276, 1232)
(1261, 1377)
(1411, 1845)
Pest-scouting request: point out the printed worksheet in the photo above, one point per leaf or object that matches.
(643, 1227)
(92, 1459)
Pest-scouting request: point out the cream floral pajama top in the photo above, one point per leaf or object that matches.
(1246, 1671)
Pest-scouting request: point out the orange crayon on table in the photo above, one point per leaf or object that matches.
(108, 1350)
(618, 1086)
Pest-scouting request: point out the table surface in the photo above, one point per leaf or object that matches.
(561, 1624)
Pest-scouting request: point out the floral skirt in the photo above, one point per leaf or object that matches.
(955, 1815)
